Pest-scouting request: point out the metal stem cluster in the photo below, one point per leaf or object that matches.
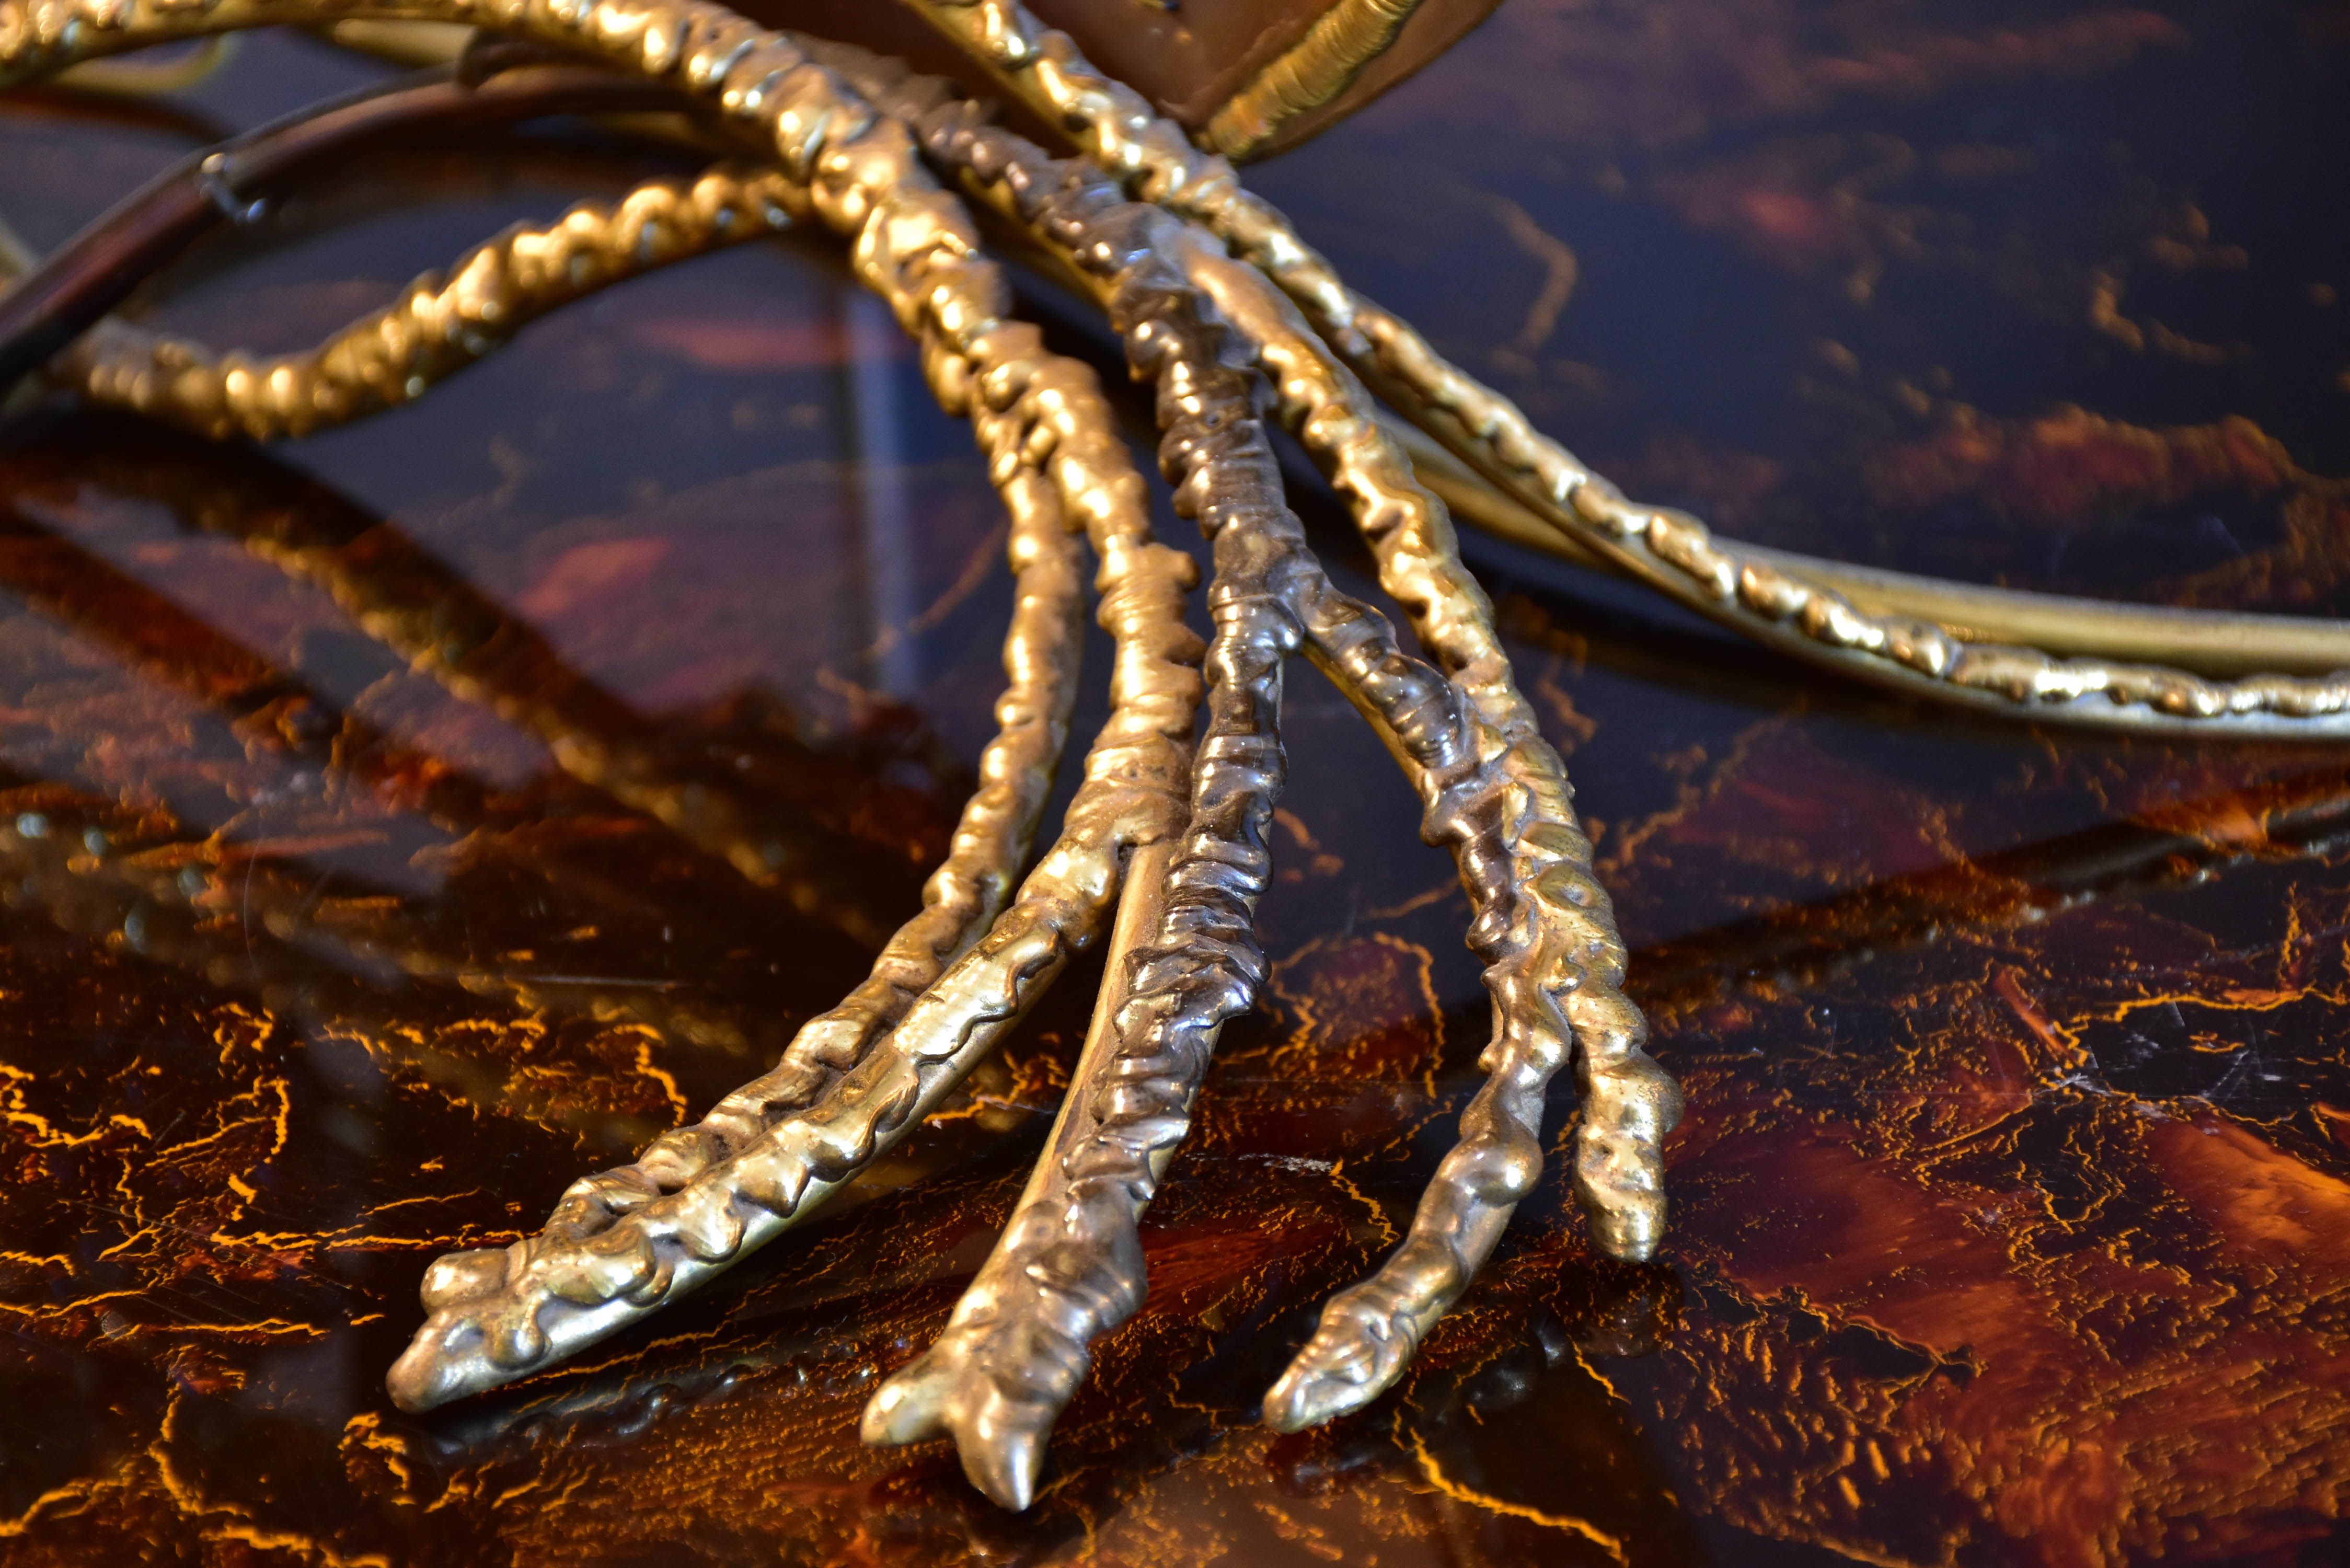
(1234, 322)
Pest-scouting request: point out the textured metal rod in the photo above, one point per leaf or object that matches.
(1496, 795)
(1071, 1263)
(441, 321)
(996, 1406)
(1669, 550)
(1202, 965)
(712, 1191)
(1540, 921)
(2208, 642)
(622, 1244)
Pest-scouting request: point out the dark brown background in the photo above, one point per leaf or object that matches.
(2011, 1214)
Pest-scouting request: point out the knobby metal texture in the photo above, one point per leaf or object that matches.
(1494, 794)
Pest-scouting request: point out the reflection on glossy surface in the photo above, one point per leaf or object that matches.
(2011, 1198)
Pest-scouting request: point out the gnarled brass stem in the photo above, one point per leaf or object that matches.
(1495, 795)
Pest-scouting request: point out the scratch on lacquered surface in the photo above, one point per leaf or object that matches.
(2011, 1211)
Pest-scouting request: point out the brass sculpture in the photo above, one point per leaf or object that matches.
(1229, 314)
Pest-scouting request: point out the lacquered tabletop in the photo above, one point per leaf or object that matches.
(2011, 1212)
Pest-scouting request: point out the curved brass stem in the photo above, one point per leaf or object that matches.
(2215, 643)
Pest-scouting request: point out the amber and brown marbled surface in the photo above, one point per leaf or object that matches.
(2013, 1207)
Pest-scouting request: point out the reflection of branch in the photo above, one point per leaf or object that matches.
(15, 255)
(137, 79)
(1560, 270)
(278, 712)
(397, 592)
(56, 101)
(136, 878)
(267, 706)
(2304, 815)
(442, 626)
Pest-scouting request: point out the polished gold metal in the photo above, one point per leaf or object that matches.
(979, 1382)
(1545, 927)
(1068, 1269)
(1075, 1266)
